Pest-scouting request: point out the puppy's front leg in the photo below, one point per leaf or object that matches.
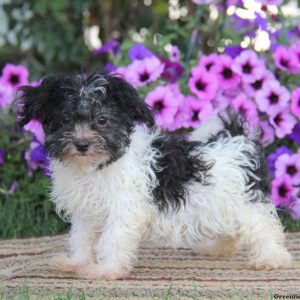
(116, 250)
(81, 237)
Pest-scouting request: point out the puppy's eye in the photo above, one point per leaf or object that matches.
(102, 121)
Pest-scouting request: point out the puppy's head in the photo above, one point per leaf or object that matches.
(87, 119)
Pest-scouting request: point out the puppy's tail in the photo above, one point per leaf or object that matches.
(225, 123)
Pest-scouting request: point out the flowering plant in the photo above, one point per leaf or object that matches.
(258, 80)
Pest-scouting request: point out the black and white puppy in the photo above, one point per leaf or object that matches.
(122, 182)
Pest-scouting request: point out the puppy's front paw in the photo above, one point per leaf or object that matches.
(96, 271)
(67, 264)
(274, 261)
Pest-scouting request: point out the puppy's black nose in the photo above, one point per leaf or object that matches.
(82, 146)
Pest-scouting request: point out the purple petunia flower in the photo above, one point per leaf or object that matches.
(138, 52)
(14, 76)
(233, 50)
(112, 47)
(252, 88)
(246, 108)
(36, 128)
(267, 136)
(142, 72)
(294, 208)
(272, 97)
(2, 154)
(282, 190)
(286, 60)
(271, 2)
(249, 66)
(164, 104)
(109, 67)
(227, 77)
(295, 106)
(173, 71)
(295, 135)
(203, 84)
(272, 157)
(6, 95)
(288, 165)
(283, 122)
(174, 54)
(198, 112)
(36, 157)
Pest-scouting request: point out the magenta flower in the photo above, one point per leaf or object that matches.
(6, 95)
(288, 165)
(252, 88)
(295, 52)
(142, 72)
(242, 105)
(286, 60)
(112, 47)
(203, 84)
(14, 76)
(164, 104)
(36, 128)
(283, 122)
(227, 77)
(282, 190)
(198, 112)
(267, 133)
(208, 62)
(272, 97)
(295, 106)
(249, 66)
(174, 54)
(138, 52)
(294, 208)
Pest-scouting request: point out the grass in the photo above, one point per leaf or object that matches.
(70, 294)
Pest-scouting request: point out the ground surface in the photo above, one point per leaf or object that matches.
(159, 273)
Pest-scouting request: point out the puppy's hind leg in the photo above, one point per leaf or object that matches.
(261, 229)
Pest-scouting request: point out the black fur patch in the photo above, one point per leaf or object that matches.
(235, 125)
(180, 163)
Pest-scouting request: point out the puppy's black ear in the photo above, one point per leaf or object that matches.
(129, 99)
(30, 102)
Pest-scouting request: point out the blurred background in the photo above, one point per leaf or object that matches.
(39, 37)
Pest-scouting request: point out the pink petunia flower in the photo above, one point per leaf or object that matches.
(242, 105)
(14, 76)
(198, 111)
(208, 62)
(164, 103)
(295, 106)
(272, 97)
(282, 190)
(286, 60)
(142, 72)
(252, 88)
(249, 66)
(6, 95)
(288, 165)
(174, 54)
(203, 84)
(267, 133)
(36, 128)
(227, 77)
(283, 122)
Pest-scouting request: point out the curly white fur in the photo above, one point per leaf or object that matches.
(112, 210)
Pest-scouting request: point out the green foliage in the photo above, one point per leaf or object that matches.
(27, 211)
(52, 31)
